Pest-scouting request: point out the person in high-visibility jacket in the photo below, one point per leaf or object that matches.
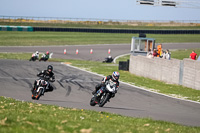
(159, 48)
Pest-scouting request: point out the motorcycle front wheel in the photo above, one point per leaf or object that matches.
(104, 99)
(39, 94)
(92, 101)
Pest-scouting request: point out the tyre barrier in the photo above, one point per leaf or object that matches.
(116, 31)
(16, 28)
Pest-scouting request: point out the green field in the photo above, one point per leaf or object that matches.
(26, 117)
(12, 38)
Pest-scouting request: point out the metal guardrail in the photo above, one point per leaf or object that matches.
(116, 30)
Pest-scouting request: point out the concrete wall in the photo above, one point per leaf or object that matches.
(186, 72)
(191, 74)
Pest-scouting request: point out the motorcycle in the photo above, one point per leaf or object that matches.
(45, 58)
(103, 95)
(39, 89)
(108, 60)
(34, 57)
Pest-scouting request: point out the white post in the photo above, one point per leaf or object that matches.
(132, 44)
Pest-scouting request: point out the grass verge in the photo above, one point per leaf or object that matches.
(14, 38)
(24, 117)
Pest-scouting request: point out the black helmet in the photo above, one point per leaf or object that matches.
(50, 67)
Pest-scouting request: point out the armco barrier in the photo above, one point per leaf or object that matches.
(117, 30)
(182, 72)
(15, 28)
(29, 28)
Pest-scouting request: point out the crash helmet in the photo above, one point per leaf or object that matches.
(115, 76)
(37, 52)
(47, 52)
(50, 68)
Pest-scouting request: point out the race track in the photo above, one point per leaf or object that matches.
(100, 52)
(74, 87)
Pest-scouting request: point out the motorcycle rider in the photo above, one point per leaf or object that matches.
(45, 57)
(109, 59)
(49, 77)
(35, 56)
(113, 78)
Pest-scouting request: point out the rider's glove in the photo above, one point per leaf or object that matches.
(103, 84)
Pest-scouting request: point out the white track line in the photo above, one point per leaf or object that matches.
(132, 85)
(119, 57)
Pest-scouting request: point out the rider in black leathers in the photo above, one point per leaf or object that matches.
(114, 78)
(48, 75)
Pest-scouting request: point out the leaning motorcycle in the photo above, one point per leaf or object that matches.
(39, 89)
(103, 95)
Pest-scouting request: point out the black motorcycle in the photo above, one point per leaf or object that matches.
(40, 88)
(108, 60)
(103, 95)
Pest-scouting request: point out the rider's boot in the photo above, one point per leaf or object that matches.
(94, 92)
(97, 87)
(99, 92)
(32, 89)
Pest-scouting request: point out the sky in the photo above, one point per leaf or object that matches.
(99, 9)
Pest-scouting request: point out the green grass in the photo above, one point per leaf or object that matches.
(26, 117)
(14, 38)
(102, 68)
(60, 38)
(17, 56)
(181, 54)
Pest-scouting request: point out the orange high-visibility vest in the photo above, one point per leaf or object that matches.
(159, 48)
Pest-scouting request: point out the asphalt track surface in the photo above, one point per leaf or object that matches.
(74, 87)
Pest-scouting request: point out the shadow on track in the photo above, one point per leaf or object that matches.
(58, 101)
(123, 108)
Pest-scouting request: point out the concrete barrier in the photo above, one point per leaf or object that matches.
(182, 72)
(191, 74)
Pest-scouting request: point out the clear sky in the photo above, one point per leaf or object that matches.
(101, 9)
